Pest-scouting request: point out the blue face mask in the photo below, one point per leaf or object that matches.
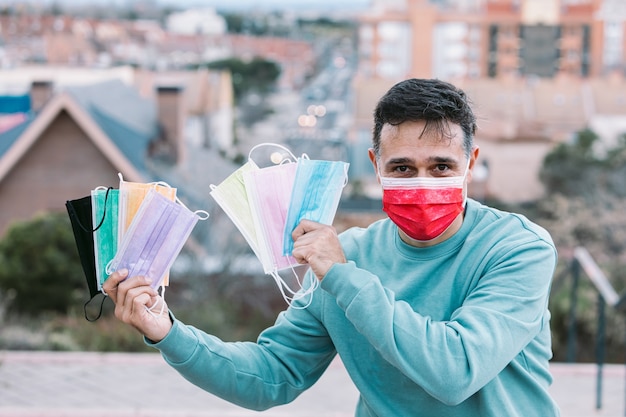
(315, 195)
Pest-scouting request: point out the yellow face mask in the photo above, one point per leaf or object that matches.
(232, 197)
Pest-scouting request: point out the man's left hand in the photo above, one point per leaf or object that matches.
(318, 245)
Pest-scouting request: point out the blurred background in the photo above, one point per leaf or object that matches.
(181, 91)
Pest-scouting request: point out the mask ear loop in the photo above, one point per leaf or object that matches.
(202, 214)
(277, 145)
(294, 295)
(464, 187)
(86, 229)
(99, 309)
(285, 289)
(160, 301)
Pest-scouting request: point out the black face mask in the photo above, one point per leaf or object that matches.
(79, 211)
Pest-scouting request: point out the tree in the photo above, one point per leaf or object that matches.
(584, 169)
(584, 206)
(571, 168)
(255, 76)
(40, 270)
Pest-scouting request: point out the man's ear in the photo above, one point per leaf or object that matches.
(372, 156)
(472, 162)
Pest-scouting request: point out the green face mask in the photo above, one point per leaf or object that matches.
(104, 204)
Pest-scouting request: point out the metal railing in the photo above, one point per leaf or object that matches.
(607, 296)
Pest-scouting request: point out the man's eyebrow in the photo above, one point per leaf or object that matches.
(442, 160)
(431, 160)
(400, 161)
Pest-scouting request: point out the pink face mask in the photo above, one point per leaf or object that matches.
(269, 193)
(423, 208)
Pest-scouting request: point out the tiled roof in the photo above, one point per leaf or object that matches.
(8, 138)
(133, 144)
(120, 102)
(128, 119)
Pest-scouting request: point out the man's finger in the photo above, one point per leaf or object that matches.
(110, 285)
(305, 226)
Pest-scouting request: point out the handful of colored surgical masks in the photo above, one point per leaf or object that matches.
(140, 227)
(266, 204)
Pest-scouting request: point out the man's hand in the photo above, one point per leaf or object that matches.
(138, 304)
(317, 244)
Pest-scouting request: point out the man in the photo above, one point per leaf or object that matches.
(440, 310)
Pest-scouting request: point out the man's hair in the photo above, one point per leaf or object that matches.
(436, 102)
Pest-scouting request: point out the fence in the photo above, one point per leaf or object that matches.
(606, 296)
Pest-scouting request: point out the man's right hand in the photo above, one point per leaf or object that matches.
(138, 304)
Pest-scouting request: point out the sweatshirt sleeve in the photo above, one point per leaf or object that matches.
(455, 358)
(286, 359)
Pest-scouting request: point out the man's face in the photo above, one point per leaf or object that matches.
(407, 151)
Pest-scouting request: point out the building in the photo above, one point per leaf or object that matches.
(196, 22)
(537, 72)
(493, 38)
(77, 136)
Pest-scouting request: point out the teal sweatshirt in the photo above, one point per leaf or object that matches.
(457, 329)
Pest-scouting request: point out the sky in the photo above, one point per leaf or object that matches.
(273, 3)
(231, 4)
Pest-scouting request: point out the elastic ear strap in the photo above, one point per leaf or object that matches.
(161, 183)
(295, 295)
(277, 145)
(202, 214)
(78, 222)
(161, 301)
(99, 310)
(104, 213)
(86, 229)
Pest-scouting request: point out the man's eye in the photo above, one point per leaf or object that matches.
(402, 169)
(441, 168)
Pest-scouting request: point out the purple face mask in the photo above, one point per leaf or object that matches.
(154, 238)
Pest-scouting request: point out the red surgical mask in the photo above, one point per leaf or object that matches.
(423, 208)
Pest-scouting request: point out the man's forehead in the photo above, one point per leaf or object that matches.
(428, 129)
(450, 136)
